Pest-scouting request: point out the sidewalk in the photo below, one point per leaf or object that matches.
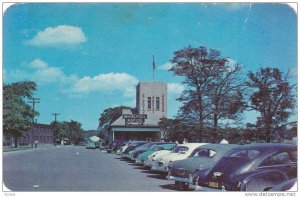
(27, 148)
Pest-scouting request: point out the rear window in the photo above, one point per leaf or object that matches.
(180, 149)
(245, 154)
(203, 153)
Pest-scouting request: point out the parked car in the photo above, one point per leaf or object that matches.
(141, 149)
(161, 164)
(123, 147)
(252, 167)
(133, 153)
(157, 147)
(133, 145)
(91, 145)
(202, 157)
(290, 185)
(113, 146)
(148, 163)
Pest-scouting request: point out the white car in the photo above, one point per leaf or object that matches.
(180, 152)
(151, 158)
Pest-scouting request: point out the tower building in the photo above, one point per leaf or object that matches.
(142, 123)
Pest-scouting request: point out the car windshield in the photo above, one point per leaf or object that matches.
(245, 154)
(203, 152)
(179, 149)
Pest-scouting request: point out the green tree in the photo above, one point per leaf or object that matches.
(213, 87)
(74, 131)
(17, 114)
(107, 117)
(58, 130)
(273, 97)
(177, 130)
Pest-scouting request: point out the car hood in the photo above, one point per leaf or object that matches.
(145, 154)
(160, 153)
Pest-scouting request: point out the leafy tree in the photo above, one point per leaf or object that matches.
(177, 130)
(74, 131)
(57, 127)
(107, 117)
(70, 130)
(213, 89)
(17, 114)
(273, 97)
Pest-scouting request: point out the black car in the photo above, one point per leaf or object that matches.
(252, 167)
(112, 147)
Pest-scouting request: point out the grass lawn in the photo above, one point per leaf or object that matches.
(9, 148)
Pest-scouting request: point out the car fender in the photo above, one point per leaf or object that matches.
(261, 174)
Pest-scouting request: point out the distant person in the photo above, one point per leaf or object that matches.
(223, 141)
(36, 143)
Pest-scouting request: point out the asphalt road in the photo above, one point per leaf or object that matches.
(74, 168)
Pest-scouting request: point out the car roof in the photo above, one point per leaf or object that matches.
(264, 146)
(220, 147)
(192, 145)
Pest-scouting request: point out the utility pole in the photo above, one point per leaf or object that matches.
(55, 131)
(55, 115)
(34, 101)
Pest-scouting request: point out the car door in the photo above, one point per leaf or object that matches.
(284, 161)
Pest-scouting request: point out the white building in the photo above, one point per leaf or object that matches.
(142, 123)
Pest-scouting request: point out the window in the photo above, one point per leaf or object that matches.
(157, 103)
(149, 103)
(277, 159)
(203, 153)
(245, 154)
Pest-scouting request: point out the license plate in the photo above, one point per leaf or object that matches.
(213, 184)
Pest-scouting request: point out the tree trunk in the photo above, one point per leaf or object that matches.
(16, 142)
(215, 122)
(201, 118)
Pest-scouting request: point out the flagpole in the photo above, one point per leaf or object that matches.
(153, 67)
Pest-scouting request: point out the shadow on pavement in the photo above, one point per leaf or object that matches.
(150, 172)
(169, 187)
(158, 176)
(139, 168)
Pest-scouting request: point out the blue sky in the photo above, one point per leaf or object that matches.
(88, 57)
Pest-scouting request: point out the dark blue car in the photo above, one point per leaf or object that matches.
(252, 167)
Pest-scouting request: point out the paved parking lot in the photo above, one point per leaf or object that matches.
(74, 168)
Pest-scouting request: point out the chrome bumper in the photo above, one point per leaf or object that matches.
(159, 168)
(181, 179)
(169, 177)
(148, 163)
(206, 189)
(138, 161)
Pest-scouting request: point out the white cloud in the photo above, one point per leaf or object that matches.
(175, 88)
(74, 86)
(62, 35)
(107, 83)
(42, 73)
(38, 64)
(165, 66)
